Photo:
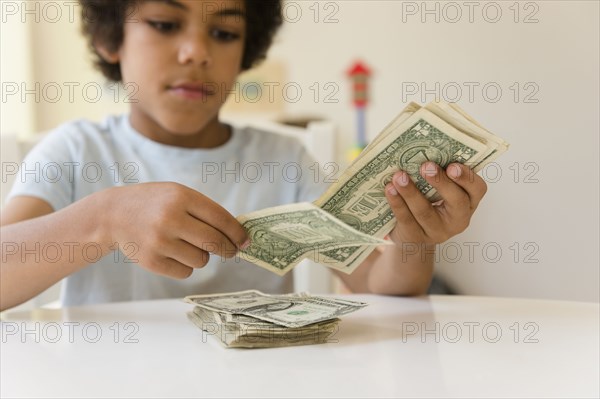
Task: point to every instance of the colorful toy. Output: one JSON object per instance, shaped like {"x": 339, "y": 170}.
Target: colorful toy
{"x": 359, "y": 74}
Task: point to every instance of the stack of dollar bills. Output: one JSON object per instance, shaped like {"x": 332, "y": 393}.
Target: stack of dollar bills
{"x": 343, "y": 226}
{"x": 251, "y": 319}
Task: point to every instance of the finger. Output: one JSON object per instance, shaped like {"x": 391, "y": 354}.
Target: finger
{"x": 456, "y": 200}
{"x": 470, "y": 182}
{"x": 206, "y": 238}
{"x": 203, "y": 208}
{"x": 170, "y": 268}
{"x": 187, "y": 254}
{"x": 406, "y": 225}
{"x": 420, "y": 207}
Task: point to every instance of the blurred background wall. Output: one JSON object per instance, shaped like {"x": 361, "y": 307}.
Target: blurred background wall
{"x": 526, "y": 70}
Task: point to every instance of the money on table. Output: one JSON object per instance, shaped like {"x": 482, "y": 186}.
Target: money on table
{"x": 284, "y": 310}
{"x": 251, "y": 319}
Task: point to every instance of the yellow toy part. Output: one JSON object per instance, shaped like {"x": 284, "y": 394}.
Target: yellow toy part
{"x": 353, "y": 152}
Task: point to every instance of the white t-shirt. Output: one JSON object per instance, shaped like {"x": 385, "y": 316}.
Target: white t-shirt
{"x": 253, "y": 170}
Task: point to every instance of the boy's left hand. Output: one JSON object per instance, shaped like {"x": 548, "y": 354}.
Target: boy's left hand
{"x": 420, "y": 222}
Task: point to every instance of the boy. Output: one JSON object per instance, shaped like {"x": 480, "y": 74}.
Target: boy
{"x": 166, "y": 217}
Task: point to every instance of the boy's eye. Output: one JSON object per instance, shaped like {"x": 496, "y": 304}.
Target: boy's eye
{"x": 163, "y": 26}
{"x": 223, "y": 35}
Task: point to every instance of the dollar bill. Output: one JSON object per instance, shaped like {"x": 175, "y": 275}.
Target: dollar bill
{"x": 283, "y": 310}
{"x": 283, "y": 236}
{"x": 356, "y": 204}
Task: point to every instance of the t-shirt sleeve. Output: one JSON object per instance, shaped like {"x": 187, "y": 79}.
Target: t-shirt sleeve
{"x": 47, "y": 172}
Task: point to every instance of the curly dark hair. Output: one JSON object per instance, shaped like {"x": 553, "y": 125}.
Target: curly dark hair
{"x": 103, "y": 20}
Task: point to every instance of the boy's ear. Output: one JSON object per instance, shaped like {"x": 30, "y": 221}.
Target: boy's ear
{"x": 112, "y": 57}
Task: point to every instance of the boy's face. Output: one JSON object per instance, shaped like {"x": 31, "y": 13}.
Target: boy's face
{"x": 183, "y": 57}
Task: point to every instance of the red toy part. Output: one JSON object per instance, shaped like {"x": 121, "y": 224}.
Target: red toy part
{"x": 360, "y": 75}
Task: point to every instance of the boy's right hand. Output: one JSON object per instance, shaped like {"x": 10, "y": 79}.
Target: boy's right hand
{"x": 173, "y": 227}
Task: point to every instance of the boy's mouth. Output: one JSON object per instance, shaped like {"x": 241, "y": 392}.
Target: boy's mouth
{"x": 192, "y": 90}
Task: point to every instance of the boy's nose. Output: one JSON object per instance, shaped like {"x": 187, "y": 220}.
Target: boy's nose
{"x": 195, "y": 50}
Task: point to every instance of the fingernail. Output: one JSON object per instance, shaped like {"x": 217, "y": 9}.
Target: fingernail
{"x": 430, "y": 169}
{"x": 402, "y": 180}
{"x": 392, "y": 191}
{"x": 246, "y": 244}
{"x": 454, "y": 171}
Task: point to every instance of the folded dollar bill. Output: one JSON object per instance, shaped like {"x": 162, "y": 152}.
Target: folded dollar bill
{"x": 283, "y": 236}
{"x": 335, "y": 229}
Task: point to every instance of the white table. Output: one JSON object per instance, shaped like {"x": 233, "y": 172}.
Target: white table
{"x": 435, "y": 346}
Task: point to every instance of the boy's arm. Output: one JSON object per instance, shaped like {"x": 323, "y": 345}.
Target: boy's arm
{"x": 407, "y": 267}
{"x": 173, "y": 228}
{"x": 40, "y": 247}
{"x": 389, "y": 271}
